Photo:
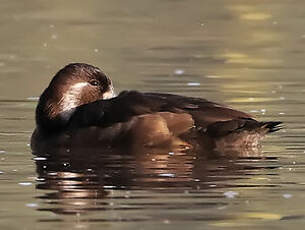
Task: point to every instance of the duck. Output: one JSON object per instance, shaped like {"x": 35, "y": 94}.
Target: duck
{"x": 80, "y": 108}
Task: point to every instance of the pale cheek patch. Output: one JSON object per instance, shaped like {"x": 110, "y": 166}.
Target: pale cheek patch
{"x": 78, "y": 86}
{"x": 71, "y": 98}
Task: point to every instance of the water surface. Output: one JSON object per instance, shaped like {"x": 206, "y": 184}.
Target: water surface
{"x": 248, "y": 54}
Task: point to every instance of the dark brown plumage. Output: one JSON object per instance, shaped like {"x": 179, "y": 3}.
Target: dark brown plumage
{"x": 80, "y": 101}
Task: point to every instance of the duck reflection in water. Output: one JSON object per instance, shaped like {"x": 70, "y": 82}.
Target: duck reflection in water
{"x": 92, "y": 139}
{"x": 83, "y": 180}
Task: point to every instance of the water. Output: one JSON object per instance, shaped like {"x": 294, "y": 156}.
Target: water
{"x": 248, "y": 54}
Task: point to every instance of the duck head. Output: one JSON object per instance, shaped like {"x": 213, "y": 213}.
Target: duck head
{"x": 74, "y": 85}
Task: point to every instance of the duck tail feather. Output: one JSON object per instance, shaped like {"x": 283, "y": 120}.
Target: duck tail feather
{"x": 272, "y": 126}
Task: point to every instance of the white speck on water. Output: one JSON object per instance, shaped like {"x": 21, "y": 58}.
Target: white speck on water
{"x": 54, "y": 36}
{"x": 201, "y": 24}
{"x": 167, "y": 174}
{"x": 40, "y": 179}
{"x": 212, "y": 76}
{"x": 254, "y": 111}
{"x": 2, "y": 151}
{"x": 251, "y": 99}
{"x": 281, "y": 113}
{"x": 96, "y": 50}
{"x": 197, "y": 180}
{"x": 45, "y": 44}
{"x": 282, "y": 98}
{"x": 166, "y": 221}
{"x": 179, "y": 71}
{"x": 31, "y": 205}
{"x": 25, "y": 183}
{"x": 153, "y": 159}
{"x": 66, "y": 164}
{"x": 212, "y": 185}
{"x": 15, "y": 170}
{"x": 33, "y": 98}
{"x": 44, "y": 166}
{"x": 294, "y": 162}
{"x": 40, "y": 158}
{"x": 263, "y": 110}
{"x": 1, "y": 172}
{"x": 193, "y": 83}
{"x": 222, "y": 207}
{"x": 171, "y": 153}
{"x": 52, "y": 173}
{"x": 230, "y": 194}
{"x": 287, "y": 195}
{"x": 109, "y": 186}
{"x": 68, "y": 150}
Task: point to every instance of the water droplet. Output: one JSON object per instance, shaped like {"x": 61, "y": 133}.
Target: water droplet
{"x": 109, "y": 186}
{"x": 179, "y": 71}
{"x": 40, "y": 158}
{"x": 212, "y": 76}
{"x": 25, "y": 183}
{"x": 32, "y": 205}
{"x": 230, "y": 194}
{"x": 166, "y": 221}
{"x": 193, "y": 83}
{"x": 167, "y": 174}
{"x": 287, "y": 195}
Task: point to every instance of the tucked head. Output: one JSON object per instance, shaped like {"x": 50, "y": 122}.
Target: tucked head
{"x": 74, "y": 85}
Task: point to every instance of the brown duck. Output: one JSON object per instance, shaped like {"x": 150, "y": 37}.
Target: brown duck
{"x": 80, "y": 109}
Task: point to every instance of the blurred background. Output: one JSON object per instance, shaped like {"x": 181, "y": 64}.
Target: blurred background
{"x": 245, "y": 53}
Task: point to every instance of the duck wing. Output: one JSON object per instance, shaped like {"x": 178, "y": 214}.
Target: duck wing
{"x": 133, "y": 103}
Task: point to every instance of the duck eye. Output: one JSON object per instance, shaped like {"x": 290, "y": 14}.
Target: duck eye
{"x": 94, "y": 82}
